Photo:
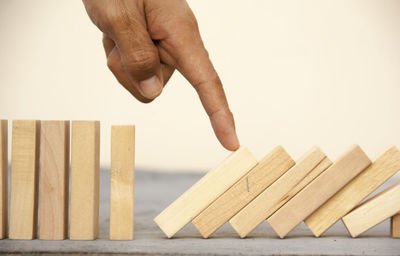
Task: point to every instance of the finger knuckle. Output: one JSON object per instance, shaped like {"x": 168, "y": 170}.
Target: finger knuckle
{"x": 141, "y": 60}
{"x": 111, "y": 63}
{"x": 115, "y": 20}
{"x": 204, "y": 84}
{"x": 186, "y": 25}
{"x": 189, "y": 21}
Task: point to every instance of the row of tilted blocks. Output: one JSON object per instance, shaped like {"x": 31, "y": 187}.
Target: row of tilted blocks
{"x": 45, "y": 146}
{"x": 284, "y": 193}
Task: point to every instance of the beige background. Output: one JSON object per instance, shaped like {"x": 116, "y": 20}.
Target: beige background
{"x": 296, "y": 73}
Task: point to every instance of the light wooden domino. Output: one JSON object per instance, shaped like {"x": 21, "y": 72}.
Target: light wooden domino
{"x": 84, "y": 202}
{"x": 395, "y": 226}
{"x": 279, "y": 192}
{"x": 24, "y": 179}
{"x": 353, "y": 193}
{"x": 351, "y": 163}
{"x": 322, "y": 166}
{"x": 3, "y": 178}
{"x": 205, "y": 191}
{"x": 122, "y": 182}
{"x": 54, "y": 180}
{"x": 269, "y": 169}
{"x": 373, "y": 211}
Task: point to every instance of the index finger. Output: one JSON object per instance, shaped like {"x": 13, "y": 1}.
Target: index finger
{"x": 193, "y": 62}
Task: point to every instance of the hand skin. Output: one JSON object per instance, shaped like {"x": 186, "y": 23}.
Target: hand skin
{"x": 146, "y": 40}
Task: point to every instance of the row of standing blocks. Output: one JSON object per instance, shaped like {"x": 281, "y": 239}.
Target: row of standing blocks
{"x": 44, "y": 146}
{"x": 245, "y": 192}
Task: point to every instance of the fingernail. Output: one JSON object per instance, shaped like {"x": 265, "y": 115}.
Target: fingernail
{"x": 150, "y": 88}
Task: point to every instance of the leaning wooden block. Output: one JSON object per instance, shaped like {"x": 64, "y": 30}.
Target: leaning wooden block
{"x": 322, "y": 166}
{"x": 278, "y": 193}
{"x": 205, "y": 191}
{"x": 85, "y": 164}
{"x": 319, "y": 191}
{"x": 122, "y": 182}
{"x": 395, "y": 226}
{"x": 269, "y": 169}
{"x": 3, "y": 178}
{"x": 54, "y": 180}
{"x": 353, "y": 193}
{"x": 373, "y": 211}
{"x": 24, "y": 179}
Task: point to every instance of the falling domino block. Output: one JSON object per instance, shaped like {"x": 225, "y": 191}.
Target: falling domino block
{"x": 24, "y": 179}
{"x": 205, "y": 191}
{"x": 353, "y": 193}
{"x": 122, "y": 182}
{"x": 84, "y": 204}
{"x": 373, "y": 211}
{"x": 395, "y": 226}
{"x": 3, "y": 178}
{"x": 54, "y": 180}
{"x": 279, "y": 192}
{"x": 269, "y": 169}
{"x": 351, "y": 163}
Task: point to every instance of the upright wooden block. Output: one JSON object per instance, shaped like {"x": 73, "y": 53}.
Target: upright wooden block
{"x": 395, "y": 226}
{"x": 54, "y": 180}
{"x": 3, "y": 178}
{"x": 205, "y": 191}
{"x": 351, "y": 163}
{"x": 279, "y": 192}
{"x": 353, "y": 193}
{"x": 85, "y": 165}
{"x": 24, "y": 179}
{"x": 122, "y": 182}
{"x": 373, "y": 211}
{"x": 269, "y": 169}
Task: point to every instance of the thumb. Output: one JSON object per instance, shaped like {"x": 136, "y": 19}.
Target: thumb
{"x": 139, "y": 55}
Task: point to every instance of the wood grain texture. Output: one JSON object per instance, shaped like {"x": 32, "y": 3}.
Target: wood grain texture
{"x": 354, "y": 192}
{"x": 54, "y": 180}
{"x": 275, "y": 195}
{"x": 122, "y": 182}
{"x": 85, "y": 164}
{"x": 269, "y": 169}
{"x": 3, "y": 178}
{"x": 373, "y": 211}
{"x": 205, "y": 191}
{"x": 351, "y": 163}
{"x": 24, "y": 179}
{"x": 395, "y": 226}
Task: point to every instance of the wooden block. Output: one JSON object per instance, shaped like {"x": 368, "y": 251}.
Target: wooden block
{"x": 205, "y": 191}
{"x": 395, "y": 226}
{"x": 3, "y": 178}
{"x": 122, "y": 182}
{"x": 351, "y": 163}
{"x": 269, "y": 169}
{"x": 24, "y": 179}
{"x": 353, "y": 193}
{"x": 373, "y": 211}
{"x": 278, "y": 193}
{"x": 84, "y": 204}
{"x": 54, "y": 180}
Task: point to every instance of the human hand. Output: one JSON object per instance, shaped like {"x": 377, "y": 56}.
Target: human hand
{"x": 146, "y": 40}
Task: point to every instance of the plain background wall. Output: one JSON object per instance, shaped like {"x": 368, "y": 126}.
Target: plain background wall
{"x": 296, "y": 73}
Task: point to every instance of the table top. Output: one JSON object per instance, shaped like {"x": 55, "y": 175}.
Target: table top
{"x": 154, "y": 191}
